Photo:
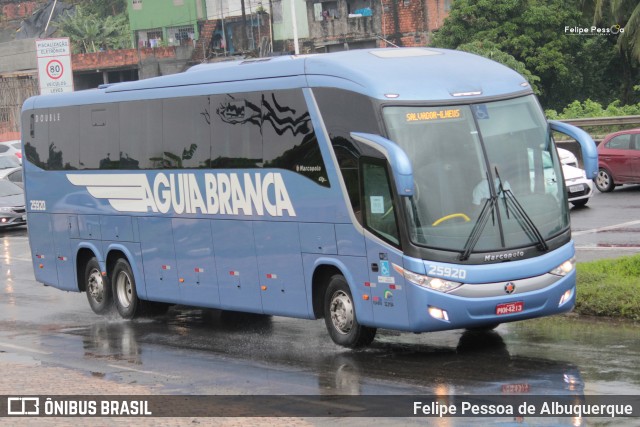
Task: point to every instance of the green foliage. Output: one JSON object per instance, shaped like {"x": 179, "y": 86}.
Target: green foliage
{"x": 589, "y": 108}
{"x": 533, "y": 33}
{"x": 623, "y": 14}
{"x": 610, "y": 288}
{"x": 104, "y": 8}
{"x": 90, "y": 33}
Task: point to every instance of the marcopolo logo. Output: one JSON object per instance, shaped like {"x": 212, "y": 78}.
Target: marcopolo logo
{"x": 594, "y": 31}
{"x": 212, "y": 194}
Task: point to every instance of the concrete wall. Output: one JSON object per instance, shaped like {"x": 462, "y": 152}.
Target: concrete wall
{"x": 343, "y": 28}
{"x": 18, "y": 55}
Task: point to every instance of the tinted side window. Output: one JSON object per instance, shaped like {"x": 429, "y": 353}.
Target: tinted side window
{"x": 99, "y": 137}
{"x": 620, "y": 142}
{"x": 140, "y": 134}
{"x": 289, "y": 141}
{"x": 63, "y": 139}
{"x": 186, "y": 132}
{"x": 236, "y": 141}
{"x": 344, "y": 112}
{"x": 36, "y": 140}
{"x": 16, "y": 177}
{"x": 3, "y": 148}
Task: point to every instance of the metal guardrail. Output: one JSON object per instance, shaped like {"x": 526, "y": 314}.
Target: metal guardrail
{"x": 592, "y": 125}
{"x": 604, "y": 121}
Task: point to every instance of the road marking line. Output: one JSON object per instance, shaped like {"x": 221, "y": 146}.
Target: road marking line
{"x": 15, "y": 258}
{"x": 19, "y": 347}
{"x": 126, "y": 368}
{"x": 609, "y": 227}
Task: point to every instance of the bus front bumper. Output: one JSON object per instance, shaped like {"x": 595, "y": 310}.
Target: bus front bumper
{"x": 474, "y": 307}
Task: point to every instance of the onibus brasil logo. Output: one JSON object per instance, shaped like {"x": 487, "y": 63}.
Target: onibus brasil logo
{"x": 218, "y": 193}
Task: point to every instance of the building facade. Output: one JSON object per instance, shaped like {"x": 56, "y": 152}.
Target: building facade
{"x": 165, "y": 23}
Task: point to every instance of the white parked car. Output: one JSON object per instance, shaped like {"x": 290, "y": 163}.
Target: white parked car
{"x": 11, "y": 148}
{"x": 579, "y": 188}
{"x": 567, "y": 157}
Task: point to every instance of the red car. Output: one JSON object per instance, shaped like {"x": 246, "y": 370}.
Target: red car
{"x": 619, "y": 160}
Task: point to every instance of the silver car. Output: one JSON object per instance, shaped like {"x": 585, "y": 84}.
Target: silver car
{"x": 12, "y": 209}
{"x": 12, "y": 148}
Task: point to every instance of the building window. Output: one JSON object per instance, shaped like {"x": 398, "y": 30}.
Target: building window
{"x": 359, "y": 8}
{"x": 180, "y": 36}
{"x": 326, "y": 11}
{"x": 149, "y": 38}
{"x": 137, "y": 4}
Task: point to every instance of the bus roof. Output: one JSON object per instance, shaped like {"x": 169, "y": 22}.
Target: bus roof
{"x": 410, "y": 74}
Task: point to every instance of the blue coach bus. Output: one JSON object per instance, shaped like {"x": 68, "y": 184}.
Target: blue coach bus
{"x": 412, "y": 189}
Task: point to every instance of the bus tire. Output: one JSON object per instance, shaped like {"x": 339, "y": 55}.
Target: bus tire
{"x": 340, "y": 316}
{"x": 125, "y": 296}
{"x": 97, "y": 288}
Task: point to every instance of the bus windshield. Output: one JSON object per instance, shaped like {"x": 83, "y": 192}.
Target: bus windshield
{"x": 457, "y": 151}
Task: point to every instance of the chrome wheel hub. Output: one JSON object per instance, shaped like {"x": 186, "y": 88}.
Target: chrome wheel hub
{"x": 124, "y": 289}
{"x": 341, "y": 312}
{"x": 95, "y": 286}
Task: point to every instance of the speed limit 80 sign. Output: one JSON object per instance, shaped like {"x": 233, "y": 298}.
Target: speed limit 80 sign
{"x": 54, "y": 69}
{"x": 54, "y": 65}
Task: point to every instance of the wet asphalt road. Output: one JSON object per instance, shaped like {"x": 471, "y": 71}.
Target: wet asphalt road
{"x": 609, "y": 225}
{"x": 194, "y": 351}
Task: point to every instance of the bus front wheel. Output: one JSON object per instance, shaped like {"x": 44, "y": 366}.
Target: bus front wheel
{"x": 124, "y": 290}
{"x": 97, "y": 287}
{"x": 340, "y": 316}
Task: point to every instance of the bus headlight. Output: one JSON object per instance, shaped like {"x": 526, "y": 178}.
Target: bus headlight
{"x": 434, "y": 283}
{"x": 565, "y": 268}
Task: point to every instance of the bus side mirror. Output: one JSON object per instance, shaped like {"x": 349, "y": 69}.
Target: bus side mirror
{"x": 587, "y": 146}
{"x": 397, "y": 158}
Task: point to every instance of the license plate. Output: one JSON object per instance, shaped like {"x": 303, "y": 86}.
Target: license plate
{"x": 510, "y": 307}
{"x": 575, "y": 188}
{"x": 515, "y": 388}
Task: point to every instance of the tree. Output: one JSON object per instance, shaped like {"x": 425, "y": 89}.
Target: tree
{"x": 533, "y": 33}
{"x": 619, "y": 15}
{"x": 492, "y": 51}
{"x": 90, "y": 33}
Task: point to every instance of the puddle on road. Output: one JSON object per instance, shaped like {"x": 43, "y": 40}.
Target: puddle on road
{"x": 606, "y": 351}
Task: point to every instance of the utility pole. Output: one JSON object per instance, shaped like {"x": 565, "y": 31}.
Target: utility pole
{"x": 294, "y": 21}
{"x": 245, "y": 37}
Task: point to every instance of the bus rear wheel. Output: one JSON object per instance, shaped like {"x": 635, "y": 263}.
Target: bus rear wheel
{"x": 97, "y": 287}
{"x": 340, "y": 316}
{"x": 124, "y": 290}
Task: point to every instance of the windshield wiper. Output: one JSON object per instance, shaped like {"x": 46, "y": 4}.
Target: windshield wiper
{"x": 521, "y": 215}
{"x": 488, "y": 208}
